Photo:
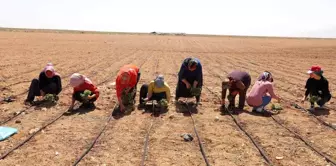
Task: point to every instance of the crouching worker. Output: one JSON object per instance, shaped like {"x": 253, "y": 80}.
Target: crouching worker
{"x": 257, "y": 97}
{"x": 156, "y": 90}
{"x": 49, "y": 82}
{"x": 237, "y": 82}
{"x": 190, "y": 80}
{"x": 317, "y": 88}
{"x": 84, "y": 91}
{"x": 126, "y": 85}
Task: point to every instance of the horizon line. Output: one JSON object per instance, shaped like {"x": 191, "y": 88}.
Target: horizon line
{"x": 48, "y": 30}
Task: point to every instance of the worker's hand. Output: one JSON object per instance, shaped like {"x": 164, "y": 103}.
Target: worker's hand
{"x": 90, "y": 97}
{"x": 71, "y": 107}
{"x": 188, "y": 85}
{"x": 146, "y": 99}
{"x": 303, "y": 100}
{"x": 223, "y": 102}
{"x": 42, "y": 93}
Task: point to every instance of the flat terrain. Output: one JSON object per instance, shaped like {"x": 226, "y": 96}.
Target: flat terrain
{"x": 99, "y": 56}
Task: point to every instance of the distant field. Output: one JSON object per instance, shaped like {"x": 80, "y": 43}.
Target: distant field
{"x": 99, "y": 56}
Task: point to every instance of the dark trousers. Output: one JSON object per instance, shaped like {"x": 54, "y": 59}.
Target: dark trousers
{"x": 34, "y": 89}
{"x": 183, "y": 91}
{"x": 77, "y": 96}
{"x": 155, "y": 96}
{"x": 242, "y": 96}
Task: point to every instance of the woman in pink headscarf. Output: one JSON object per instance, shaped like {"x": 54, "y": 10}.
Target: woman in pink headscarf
{"x": 49, "y": 82}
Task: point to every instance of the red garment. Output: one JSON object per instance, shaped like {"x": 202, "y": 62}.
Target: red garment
{"x": 132, "y": 71}
{"x": 87, "y": 85}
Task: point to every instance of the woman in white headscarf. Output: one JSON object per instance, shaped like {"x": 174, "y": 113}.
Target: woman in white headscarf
{"x": 81, "y": 83}
{"x": 49, "y": 82}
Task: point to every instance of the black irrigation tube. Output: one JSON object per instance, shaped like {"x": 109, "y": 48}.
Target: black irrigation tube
{"x": 145, "y": 152}
{"x": 96, "y": 139}
{"x": 14, "y": 116}
{"x": 260, "y": 149}
{"x": 31, "y": 136}
{"x": 319, "y": 119}
{"x": 101, "y": 132}
{"x": 305, "y": 141}
{"x": 198, "y": 137}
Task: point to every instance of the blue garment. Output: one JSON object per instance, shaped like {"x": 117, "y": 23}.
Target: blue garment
{"x": 265, "y": 100}
{"x": 191, "y": 76}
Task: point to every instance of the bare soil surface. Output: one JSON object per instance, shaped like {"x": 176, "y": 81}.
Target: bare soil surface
{"x": 99, "y": 56}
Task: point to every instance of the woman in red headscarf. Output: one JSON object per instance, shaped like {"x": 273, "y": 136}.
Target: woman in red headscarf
{"x": 126, "y": 84}
{"x": 49, "y": 82}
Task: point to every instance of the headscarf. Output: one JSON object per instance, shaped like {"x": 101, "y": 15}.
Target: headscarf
{"x": 192, "y": 63}
{"x": 77, "y": 79}
{"x": 159, "y": 81}
{"x": 49, "y": 67}
{"x": 265, "y": 76}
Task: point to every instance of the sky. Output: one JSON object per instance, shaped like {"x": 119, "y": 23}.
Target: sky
{"x": 288, "y": 18}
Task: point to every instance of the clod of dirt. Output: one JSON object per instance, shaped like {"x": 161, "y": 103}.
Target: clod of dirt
{"x": 18, "y": 121}
{"x": 187, "y": 137}
{"x": 32, "y": 131}
{"x": 56, "y": 153}
{"x": 216, "y": 119}
{"x": 279, "y": 158}
{"x": 333, "y": 125}
{"x": 23, "y": 113}
{"x": 172, "y": 116}
{"x": 44, "y": 109}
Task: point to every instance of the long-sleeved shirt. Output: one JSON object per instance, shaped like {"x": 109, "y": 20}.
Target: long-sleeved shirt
{"x": 313, "y": 87}
{"x": 236, "y": 75}
{"x": 196, "y": 75}
{"x": 87, "y": 85}
{"x": 45, "y": 81}
{"x": 132, "y": 71}
{"x": 260, "y": 89}
{"x": 154, "y": 89}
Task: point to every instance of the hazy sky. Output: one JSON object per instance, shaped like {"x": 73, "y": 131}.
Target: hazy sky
{"x": 313, "y": 18}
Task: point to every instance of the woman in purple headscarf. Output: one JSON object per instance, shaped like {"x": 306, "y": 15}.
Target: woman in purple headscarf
{"x": 49, "y": 82}
{"x": 257, "y": 97}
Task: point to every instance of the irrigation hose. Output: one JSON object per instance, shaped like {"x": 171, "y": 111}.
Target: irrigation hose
{"x": 144, "y": 156}
{"x": 198, "y": 137}
{"x": 96, "y": 139}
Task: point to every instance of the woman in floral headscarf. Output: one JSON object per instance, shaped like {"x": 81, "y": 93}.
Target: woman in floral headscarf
{"x": 49, "y": 82}
{"x": 257, "y": 97}
{"x": 82, "y": 85}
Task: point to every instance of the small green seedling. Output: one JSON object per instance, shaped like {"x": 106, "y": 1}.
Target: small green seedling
{"x": 195, "y": 91}
{"x": 85, "y": 94}
{"x": 50, "y": 98}
{"x": 314, "y": 99}
{"x": 276, "y": 107}
{"x": 163, "y": 103}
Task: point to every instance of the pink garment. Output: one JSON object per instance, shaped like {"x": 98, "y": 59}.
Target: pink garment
{"x": 50, "y": 67}
{"x": 259, "y": 89}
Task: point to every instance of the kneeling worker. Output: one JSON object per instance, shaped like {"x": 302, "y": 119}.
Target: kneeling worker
{"x": 157, "y": 90}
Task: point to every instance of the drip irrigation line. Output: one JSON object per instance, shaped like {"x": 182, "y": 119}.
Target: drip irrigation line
{"x": 198, "y": 137}
{"x": 319, "y": 119}
{"x": 259, "y": 148}
{"x": 96, "y": 138}
{"x": 305, "y": 141}
{"x": 31, "y": 136}
{"x": 145, "y": 151}
{"x": 14, "y": 116}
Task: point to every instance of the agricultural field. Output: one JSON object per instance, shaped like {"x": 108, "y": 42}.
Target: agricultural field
{"x": 234, "y": 139}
